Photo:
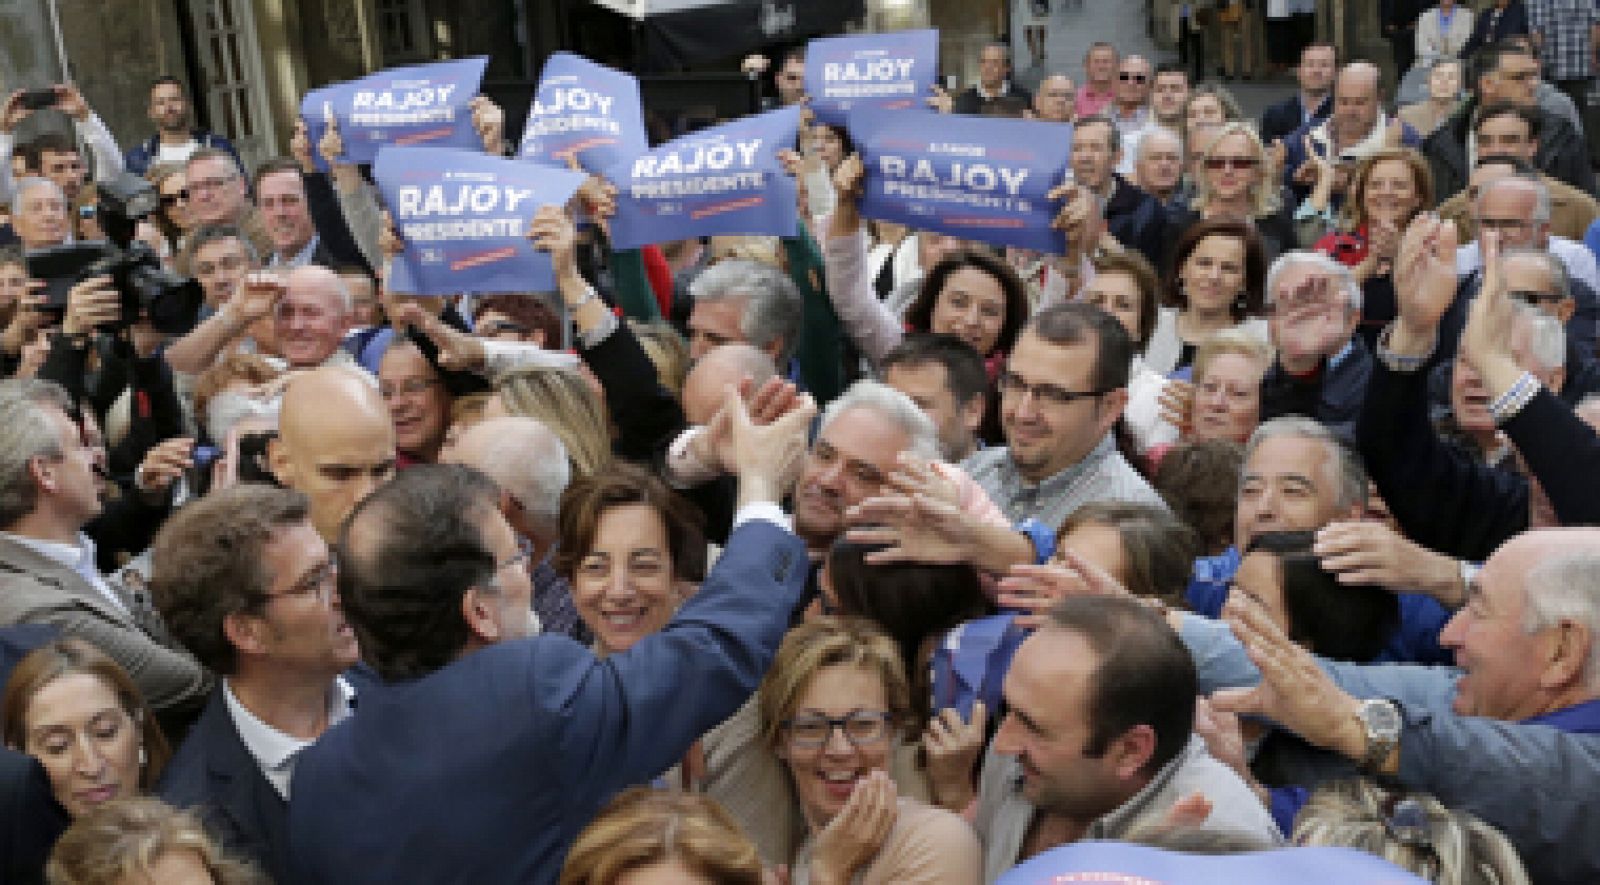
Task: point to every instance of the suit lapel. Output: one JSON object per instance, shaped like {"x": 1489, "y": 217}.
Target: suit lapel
{"x": 251, "y": 804}
{"x": 31, "y": 565}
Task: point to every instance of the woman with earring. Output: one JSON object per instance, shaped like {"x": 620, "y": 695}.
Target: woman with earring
{"x": 78, "y": 712}
{"x": 1235, "y": 180}
{"x": 1216, "y": 280}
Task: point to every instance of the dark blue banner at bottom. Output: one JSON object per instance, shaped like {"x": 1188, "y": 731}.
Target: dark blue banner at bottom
{"x": 979, "y": 178}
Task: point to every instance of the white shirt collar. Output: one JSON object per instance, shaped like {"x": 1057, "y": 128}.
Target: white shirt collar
{"x": 273, "y": 750}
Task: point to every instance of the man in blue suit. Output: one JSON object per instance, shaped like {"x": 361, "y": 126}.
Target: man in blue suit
{"x": 244, "y": 581}
{"x": 485, "y": 752}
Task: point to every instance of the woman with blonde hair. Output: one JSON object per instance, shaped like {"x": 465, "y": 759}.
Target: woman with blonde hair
{"x": 1234, "y": 179}
{"x": 1410, "y": 830}
{"x": 139, "y": 841}
{"x": 833, "y": 707}
{"x": 661, "y": 837}
{"x": 73, "y": 708}
{"x": 173, "y": 218}
{"x": 564, "y": 401}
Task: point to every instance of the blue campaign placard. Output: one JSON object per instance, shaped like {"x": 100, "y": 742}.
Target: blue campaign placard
{"x": 586, "y": 111}
{"x": 464, "y": 215}
{"x": 723, "y": 180}
{"x": 891, "y": 71}
{"x": 412, "y": 106}
{"x": 1132, "y": 864}
{"x": 979, "y": 178}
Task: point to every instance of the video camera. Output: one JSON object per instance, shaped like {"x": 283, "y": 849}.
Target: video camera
{"x": 169, "y": 301}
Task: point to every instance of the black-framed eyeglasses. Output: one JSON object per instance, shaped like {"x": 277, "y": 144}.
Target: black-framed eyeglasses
{"x": 1013, "y": 385}
{"x": 861, "y": 728}
{"x": 318, "y": 583}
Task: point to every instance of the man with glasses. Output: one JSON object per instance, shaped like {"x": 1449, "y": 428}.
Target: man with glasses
{"x": 1131, "y": 109}
{"x": 1508, "y": 142}
{"x": 1064, "y": 386}
{"x": 244, "y": 580}
{"x": 1506, "y": 73}
{"x": 1098, "y": 739}
{"x": 53, "y": 486}
{"x": 175, "y": 140}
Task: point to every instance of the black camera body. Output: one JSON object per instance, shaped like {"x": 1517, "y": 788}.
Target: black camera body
{"x": 169, "y": 301}
{"x": 38, "y": 99}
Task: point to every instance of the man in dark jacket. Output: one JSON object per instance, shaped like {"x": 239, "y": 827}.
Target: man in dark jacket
{"x": 1504, "y": 73}
{"x": 266, "y": 617}
{"x": 1314, "y": 101}
{"x": 994, "y": 85}
{"x": 175, "y": 138}
{"x": 1322, "y": 365}
{"x": 1135, "y": 218}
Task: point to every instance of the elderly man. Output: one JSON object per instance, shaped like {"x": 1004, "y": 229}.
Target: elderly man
{"x": 1169, "y": 92}
{"x": 739, "y": 300}
{"x": 309, "y": 310}
{"x": 1062, "y": 391}
{"x": 1511, "y": 735}
{"x": 1356, "y": 127}
{"x": 39, "y": 214}
{"x": 424, "y": 784}
{"x": 1135, "y": 218}
{"x": 51, "y": 482}
{"x": 706, "y": 385}
{"x": 994, "y": 83}
{"x": 1505, "y": 73}
{"x": 335, "y": 442}
{"x": 1507, "y": 142}
{"x": 529, "y": 464}
{"x": 1131, "y": 109}
{"x": 1445, "y": 497}
{"x": 243, "y": 579}
{"x": 1098, "y": 739}
{"x": 1158, "y": 165}
{"x": 1321, "y": 365}
{"x": 1053, "y": 103}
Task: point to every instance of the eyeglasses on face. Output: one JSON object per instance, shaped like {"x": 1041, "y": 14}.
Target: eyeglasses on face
{"x": 862, "y": 728}
{"x": 1014, "y": 386}
{"x": 318, "y": 583}
{"x": 1220, "y": 163}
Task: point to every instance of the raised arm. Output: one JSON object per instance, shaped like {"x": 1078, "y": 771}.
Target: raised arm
{"x": 872, "y": 326}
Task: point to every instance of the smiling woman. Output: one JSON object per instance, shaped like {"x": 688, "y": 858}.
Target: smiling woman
{"x": 75, "y": 710}
{"x": 832, "y": 708}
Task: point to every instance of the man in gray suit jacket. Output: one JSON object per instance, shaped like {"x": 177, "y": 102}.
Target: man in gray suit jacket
{"x": 49, "y": 489}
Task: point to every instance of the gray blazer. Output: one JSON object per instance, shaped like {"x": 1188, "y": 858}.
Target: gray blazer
{"x": 35, "y": 589}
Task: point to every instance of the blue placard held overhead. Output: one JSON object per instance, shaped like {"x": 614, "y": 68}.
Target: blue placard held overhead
{"x": 979, "y": 178}
{"x": 463, "y": 216}
{"x": 412, "y": 106}
{"x": 893, "y": 71}
{"x": 584, "y": 110}
{"x": 723, "y": 180}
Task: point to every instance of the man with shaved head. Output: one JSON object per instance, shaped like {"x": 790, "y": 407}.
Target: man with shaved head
{"x": 335, "y": 443}
{"x": 529, "y": 464}
{"x": 1358, "y": 126}
{"x": 705, "y": 387}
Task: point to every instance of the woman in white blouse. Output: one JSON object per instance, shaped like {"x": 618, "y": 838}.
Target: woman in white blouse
{"x": 1442, "y": 32}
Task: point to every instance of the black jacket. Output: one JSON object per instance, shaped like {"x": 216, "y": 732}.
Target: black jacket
{"x": 1278, "y": 120}
{"x": 1511, "y": 22}
{"x": 214, "y": 774}
{"x": 968, "y": 101}
{"x": 30, "y": 818}
{"x": 1332, "y": 396}
{"x": 1138, "y": 221}
{"x": 1562, "y": 153}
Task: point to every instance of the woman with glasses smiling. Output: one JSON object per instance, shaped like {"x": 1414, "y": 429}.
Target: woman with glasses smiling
{"x": 833, "y": 707}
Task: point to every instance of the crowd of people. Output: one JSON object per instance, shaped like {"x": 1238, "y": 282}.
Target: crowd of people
{"x": 1265, "y": 515}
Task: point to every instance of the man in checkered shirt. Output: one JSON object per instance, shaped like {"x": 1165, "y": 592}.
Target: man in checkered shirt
{"x": 1566, "y": 33}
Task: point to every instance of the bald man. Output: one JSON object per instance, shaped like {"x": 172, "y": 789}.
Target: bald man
{"x": 335, "y": 443}
{"x": 312, "y": 316}
{"x": 529, "y": 464}
{"x": 1357, "y": 127}
{"x": 705, "y": 387}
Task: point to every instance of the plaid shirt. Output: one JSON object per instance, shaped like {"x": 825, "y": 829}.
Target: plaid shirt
{"x": 1565, "y": 24}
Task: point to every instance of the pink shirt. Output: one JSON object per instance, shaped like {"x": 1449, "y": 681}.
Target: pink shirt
{"x": 1091, "y": 102}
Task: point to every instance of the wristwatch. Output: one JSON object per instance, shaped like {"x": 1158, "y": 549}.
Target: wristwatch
{"x": 1381, "y": 720}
